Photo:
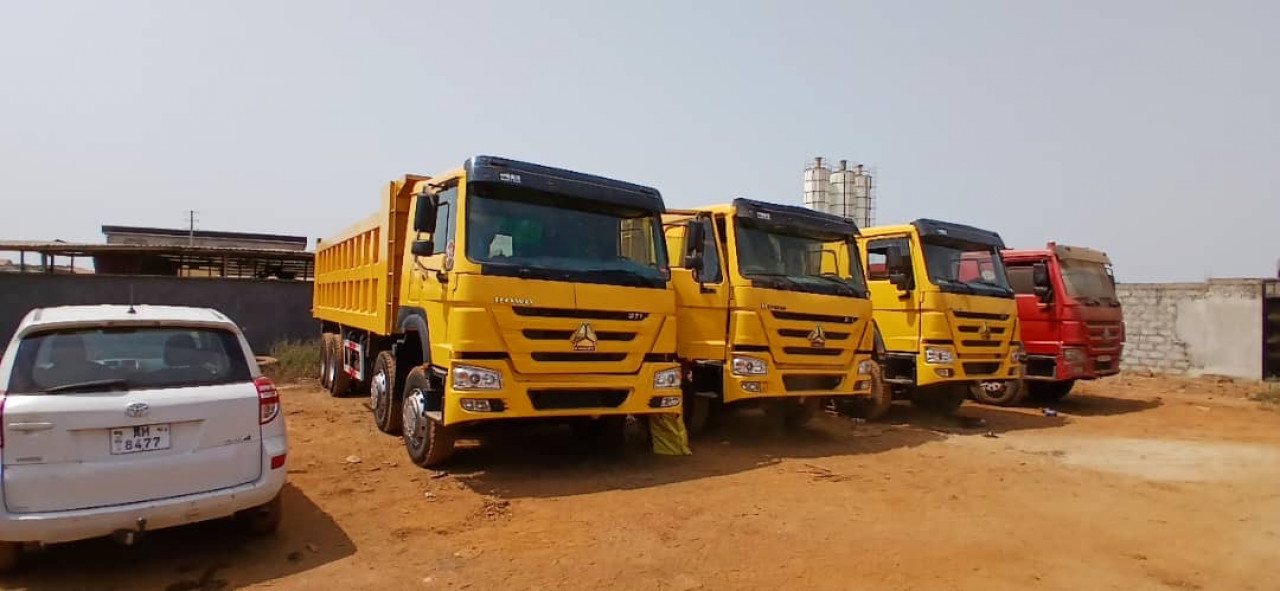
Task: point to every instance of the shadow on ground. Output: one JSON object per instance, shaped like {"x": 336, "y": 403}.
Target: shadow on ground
{"x": 548, "y": 461}
{"x": 1089, "y": 405}
{"x": 211, "y": 555}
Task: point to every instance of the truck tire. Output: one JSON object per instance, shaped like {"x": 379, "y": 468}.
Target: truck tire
{"x": 998, "y": 392}
{"x": 1050, "y": 391}
{"x": 340, "y": 382}
{"x": 699, "y": 413}
{"x": 384, "y": 394}
{"x": 793, "y": 414}
{"x": 10, "y": 556}
{"x": 940, "y": 399}
{"x": 428, "y": 442}
{"x": 871, "y": 407}
{"x": 326, "y": 375}
{"x": 608, "y": 433}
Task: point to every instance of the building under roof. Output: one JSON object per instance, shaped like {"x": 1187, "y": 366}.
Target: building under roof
{"x": 173, "y": 253}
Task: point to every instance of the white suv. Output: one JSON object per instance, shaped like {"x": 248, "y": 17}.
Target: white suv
{"x": 121, "y": 419}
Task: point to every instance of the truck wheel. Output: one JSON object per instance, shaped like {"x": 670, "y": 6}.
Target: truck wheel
{"x": 10, "y": 556}
{"x": 790, "y": 413}
{"x": 607, "y": 432}
{"x": 384, "y": 394}
{"x": 339, "y": 381}
{"x": 940, "y": 399}
{"x": 428, "y": 442}
{"x": 998, "y": 392}
{"x": 699, "y": 413}
{"x": 1050, "y": 391}
{"x": 263, "y": 519}
{"x": 868, "y": 407}
{"x": 326, "y": 375}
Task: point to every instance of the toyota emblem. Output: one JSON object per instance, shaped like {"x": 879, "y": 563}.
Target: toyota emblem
{"x": 137, "y": 409}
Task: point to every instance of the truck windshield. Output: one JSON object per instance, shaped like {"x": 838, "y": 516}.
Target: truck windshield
{"x": 1088, "y": 281}
{"x": 964, "y": 267}
{"x": 799, "y": 263}
{"x": 537, "y": 235}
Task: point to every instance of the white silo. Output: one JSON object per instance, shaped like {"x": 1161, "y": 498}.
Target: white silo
{"x": 862, "y": 205}
{"x": 817, "y": 186}
{"x": 841, "y": 200}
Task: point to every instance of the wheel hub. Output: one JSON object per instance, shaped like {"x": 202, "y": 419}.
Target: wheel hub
{"x": 378, "y": 390}
{"x": 413, "y": 408}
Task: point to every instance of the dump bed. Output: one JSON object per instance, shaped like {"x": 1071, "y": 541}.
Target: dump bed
{"x": 358, "y": 271}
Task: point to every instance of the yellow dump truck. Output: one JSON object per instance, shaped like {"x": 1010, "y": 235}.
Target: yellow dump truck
{"x": 773, "y": 309}
{"x": 945, "y": 310}
{"x": 501, "y": 290}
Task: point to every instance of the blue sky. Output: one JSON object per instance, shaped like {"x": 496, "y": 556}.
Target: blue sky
{"x": 1147, "y": 129}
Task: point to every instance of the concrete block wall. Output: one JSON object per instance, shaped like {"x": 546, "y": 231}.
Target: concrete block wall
{"x": 1194, "y": 328}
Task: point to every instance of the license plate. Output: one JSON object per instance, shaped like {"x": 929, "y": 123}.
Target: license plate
{"x": 132, "y": 440}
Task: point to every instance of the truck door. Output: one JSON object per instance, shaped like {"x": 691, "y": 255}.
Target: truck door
{"x": 428, "y": 274}
{"x": 702, "y": 303}
{"x": 897, "y": 311}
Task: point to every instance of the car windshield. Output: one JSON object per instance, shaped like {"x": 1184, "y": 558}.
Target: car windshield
{"x": 126, "y": 358}
{"x": 966, "y": 267}
{"x": 1088, "y": 281}
{"x": 799, "y": 263}
{"x": 539, "y": 235}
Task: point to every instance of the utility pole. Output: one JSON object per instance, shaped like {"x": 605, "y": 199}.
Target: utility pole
{"x": 191, "y": 227}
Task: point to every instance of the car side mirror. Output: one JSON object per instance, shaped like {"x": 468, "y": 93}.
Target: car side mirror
{"x": 424, "y": 218}
{"x": 423, "y": 248}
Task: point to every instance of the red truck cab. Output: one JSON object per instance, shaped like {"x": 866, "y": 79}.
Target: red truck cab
{"x": 1072, "y": 323}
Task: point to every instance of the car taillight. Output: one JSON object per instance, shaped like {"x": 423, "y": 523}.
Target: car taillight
{"x": 268, "y": 400}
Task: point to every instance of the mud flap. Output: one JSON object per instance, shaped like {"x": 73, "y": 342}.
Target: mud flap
{"x": 669, "y": 435}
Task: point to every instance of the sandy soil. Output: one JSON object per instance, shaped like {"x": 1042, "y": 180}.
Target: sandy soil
{"x": 1138, "y": 483}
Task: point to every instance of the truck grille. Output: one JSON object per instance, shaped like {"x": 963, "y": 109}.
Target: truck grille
{"x": 802, "y": 317}
{"x": 812, "y": 351}
{"x": 804, "y": 334}
{"x": 564, "y": 335}
{"x": 559, "y": 399}
{"x": 584, "y": 314}
{"x": 804, "y": 383}
{"x": 569, "y": 357}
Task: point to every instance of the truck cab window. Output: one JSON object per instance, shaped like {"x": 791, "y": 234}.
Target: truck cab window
{"x": 711, "y": 254}
{"x": 878, "y": 257}
{"x": 1022, "y": 279}
{"x": 445, "y": 226}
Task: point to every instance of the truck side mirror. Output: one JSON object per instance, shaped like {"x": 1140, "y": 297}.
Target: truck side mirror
{"x": 424, "y": 218}
{"x": 899, "y": 268}
{"x": 695, "y": 241}
{"x": 1040, "y": 280}
{"x": 423, "y": 248}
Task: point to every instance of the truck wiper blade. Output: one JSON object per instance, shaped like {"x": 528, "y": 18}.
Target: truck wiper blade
{"x": 992, "y": 285}
{"x": 952, "y": 282}
{"x": 781, "y": 278}
{"x": 112, "y": 384}
{"x": 625, "y": 277}
{"x": 1091, "y": 301}
{"x": 851, "y": 290}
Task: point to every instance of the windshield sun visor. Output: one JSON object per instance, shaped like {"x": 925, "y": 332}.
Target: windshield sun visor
{"x": 940, "y": 231}
{"x": 789, "y": 218}
{"x": 534, "y": 177}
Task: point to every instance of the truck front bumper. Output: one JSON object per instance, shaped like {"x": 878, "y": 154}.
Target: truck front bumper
{"x": 562, "y": 395}
{"x": 798, "y": 382}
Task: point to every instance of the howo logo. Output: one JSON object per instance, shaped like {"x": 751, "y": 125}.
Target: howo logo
{"x": 985, "y": 331}
{"x": 818, "y": 338}
{"x": 584, "y": 339}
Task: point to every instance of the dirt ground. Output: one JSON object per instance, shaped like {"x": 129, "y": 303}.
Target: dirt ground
{"x": 1137, "y": 483}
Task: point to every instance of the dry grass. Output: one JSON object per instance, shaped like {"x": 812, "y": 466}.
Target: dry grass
{"x": 1269, "y": 396}
{"x": 293, "y": 360}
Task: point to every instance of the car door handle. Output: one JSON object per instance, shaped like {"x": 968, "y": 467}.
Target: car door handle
{"x": 30, "y": 426}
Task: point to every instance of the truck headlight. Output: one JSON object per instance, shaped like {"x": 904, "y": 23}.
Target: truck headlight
{"x": 749, "y": 366}
{"x": 667, "y": 379}
{"x": 865, "y": 367}
{"x": 942, "y": 355}
{"x": 1073, "y": 356}
{"x": 466, "y": 377}
{"x": 1016, "y": 354}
